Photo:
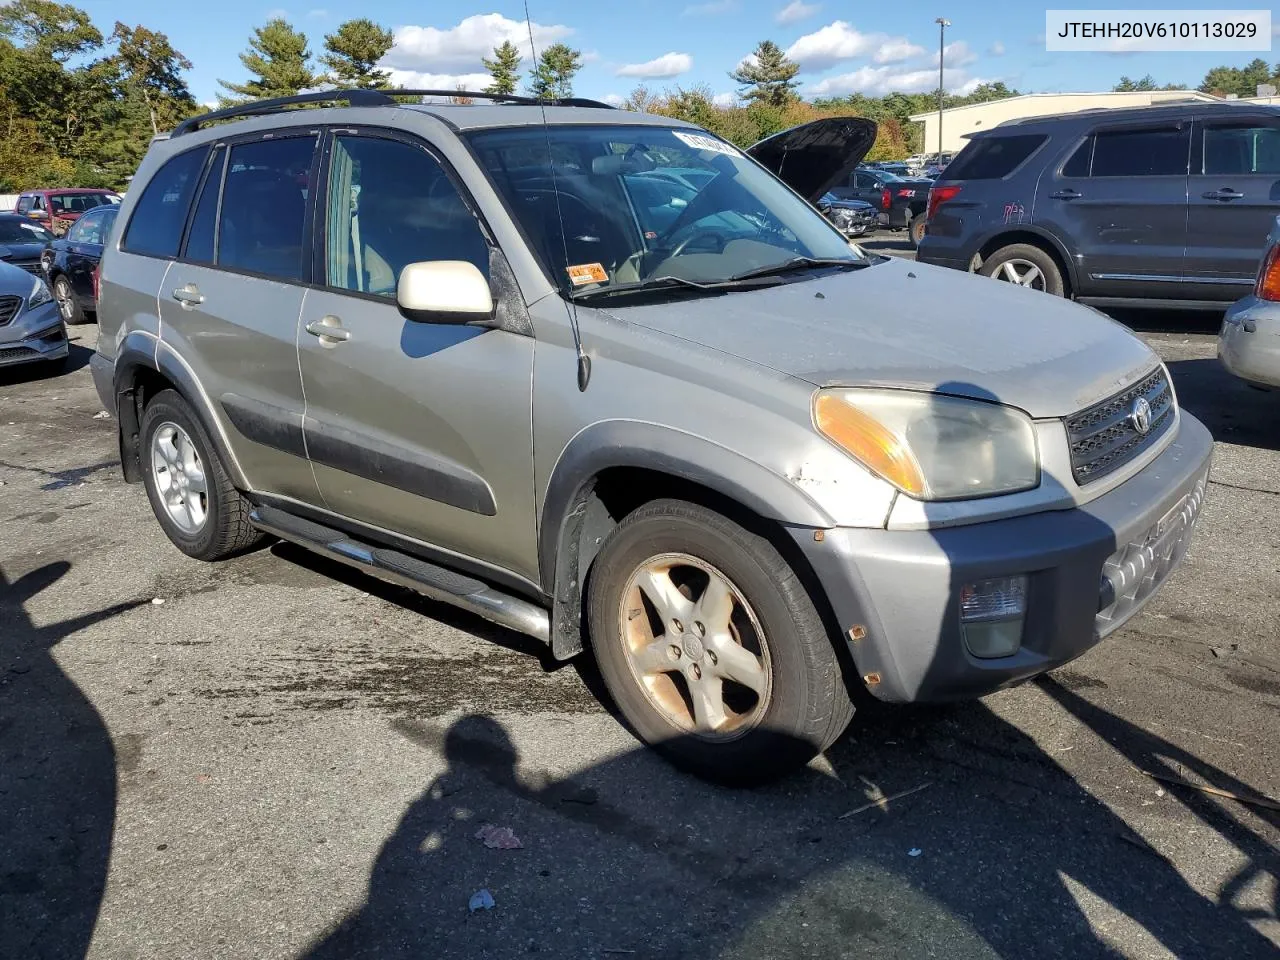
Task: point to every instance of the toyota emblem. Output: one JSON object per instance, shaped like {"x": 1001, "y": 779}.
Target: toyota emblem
{"x": 1140, "y": 416}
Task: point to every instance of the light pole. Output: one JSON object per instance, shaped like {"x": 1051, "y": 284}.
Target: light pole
{"x": 942, "y": 23}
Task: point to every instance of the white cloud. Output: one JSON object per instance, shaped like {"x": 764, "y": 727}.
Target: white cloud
{"x": 877, "y": 81}
{"x": 725, "y": 99}
{"x": 897, "y": 49}
{"x": 797, "y": 10}
{"x": 461, "y": 47}
{"x": 614, "y": 99}
{"x": 318, "y": 14}
{"x": 590, "y": 56}
{"x": 710, "y": 9}
{"x": 277, "y": 14}
{"x": 839, "y": 41}
{"x": 996, "y": 50}
{"x": 667, "y": 65}
{"x": 969, "y": 86}
{"x": 956, "y": 54}
{"x": 415, "y": 80}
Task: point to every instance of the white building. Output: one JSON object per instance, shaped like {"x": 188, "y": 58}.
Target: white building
{"x": 957, "y": 122}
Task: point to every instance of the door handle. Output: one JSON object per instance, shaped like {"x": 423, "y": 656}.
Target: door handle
{"x": 189, "y": 296}
{"x": 1226, "y": 193}
{"x": 1066, "y": 195}
{"x": 329, "y": 330}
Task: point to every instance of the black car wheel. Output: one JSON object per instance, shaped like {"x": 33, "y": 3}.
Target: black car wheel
{"x": 1025, "y": 265}
{"x": 68, "y": 305}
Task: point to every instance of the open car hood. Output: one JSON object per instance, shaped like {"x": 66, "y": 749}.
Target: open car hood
{"x": 814, "y": 157}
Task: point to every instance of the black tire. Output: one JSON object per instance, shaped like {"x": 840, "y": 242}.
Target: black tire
{"x": 1025, "y": 252}
{"x": 68, "y": 305}
{"x": 808, "y": 706}
{"x": 917, "y": 230}
{"x": 226, "y": 529}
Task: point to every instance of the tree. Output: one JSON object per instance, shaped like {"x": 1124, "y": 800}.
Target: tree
{"x": 1242, "y": 81}
{"x": 279, "y": 60}
{"x": 352, "y": 54}
{"x": 504, "y": 68}
{"x": 150, "y": 69}
{"x": 768, "y": 76}
{"x": 58, "y": 31}
{"x": 552, "y": 78}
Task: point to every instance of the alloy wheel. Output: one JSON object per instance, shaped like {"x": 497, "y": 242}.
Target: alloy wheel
{"x": 179, "y": 477}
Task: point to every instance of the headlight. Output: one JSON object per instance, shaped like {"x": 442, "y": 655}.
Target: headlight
{"x": 929, "y": 446}
{"x": 39, "y": 294}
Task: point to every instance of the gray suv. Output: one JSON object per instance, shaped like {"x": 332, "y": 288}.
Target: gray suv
{"x": 1165, "y": 206}
{"x": 483, "y": 352}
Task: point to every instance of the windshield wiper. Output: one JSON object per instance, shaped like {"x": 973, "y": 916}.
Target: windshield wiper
{"x": 671, "y": 284}
{"x": 799, "y": 263}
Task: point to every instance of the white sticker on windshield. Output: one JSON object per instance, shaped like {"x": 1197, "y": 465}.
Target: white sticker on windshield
{"x": 700, "y": 142}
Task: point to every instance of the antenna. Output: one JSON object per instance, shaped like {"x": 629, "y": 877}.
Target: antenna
{"x": 571, "y": 308}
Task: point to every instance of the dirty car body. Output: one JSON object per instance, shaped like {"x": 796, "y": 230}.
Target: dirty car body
{"x": 613, "y": 363}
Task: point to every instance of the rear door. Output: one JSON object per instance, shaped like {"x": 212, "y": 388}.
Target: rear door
{"x": 84, "y": 249}
{"x": 1120, "y": 203}
{"x": 419, "y": 428}
{"x": 1234, "y": 200}
{"x": 230, "y": 303}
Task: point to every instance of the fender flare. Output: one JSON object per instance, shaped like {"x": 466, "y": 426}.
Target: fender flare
{"x": 574, "y": 525}
{"x": 1052, "y": 239}
{"x": 143, "y": 351}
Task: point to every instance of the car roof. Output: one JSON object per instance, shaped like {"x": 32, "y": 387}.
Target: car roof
{"x": 1169, "y": 110}
{"x": 478, "y": 116}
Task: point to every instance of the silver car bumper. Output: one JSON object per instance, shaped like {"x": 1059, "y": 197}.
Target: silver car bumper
{"x": 33, "y": 336}
{"x": 1249, "y": 342}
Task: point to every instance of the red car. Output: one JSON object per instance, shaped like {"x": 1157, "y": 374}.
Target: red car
{"x": 58, "y": 209}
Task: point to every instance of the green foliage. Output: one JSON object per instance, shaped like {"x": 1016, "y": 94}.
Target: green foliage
{"x": 767, "y": 76}
{"x": 1142, "y": 85}
{"x": 1242, "y": 81}
{"x": 504, "y": 68}
{"x": 352, "y": 54}
{"x": 552, "y": 78}
{"x": 279, "y": 61}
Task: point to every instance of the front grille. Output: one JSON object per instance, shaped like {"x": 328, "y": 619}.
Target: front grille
{"x": 1105, "y": 437}
{"x": 9, "y": 307}
{"x": 16, "y": 353}
{"x": 1134, "y": 572}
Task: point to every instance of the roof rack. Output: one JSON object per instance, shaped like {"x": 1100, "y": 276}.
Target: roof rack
{"x": 366, "y": 98}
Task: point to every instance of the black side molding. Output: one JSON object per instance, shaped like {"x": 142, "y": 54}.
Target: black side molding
{"x": 266, "y": 423}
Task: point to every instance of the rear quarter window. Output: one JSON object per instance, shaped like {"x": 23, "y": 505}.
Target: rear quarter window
{"x": 155, "y": 229}
{"x": 994, "y": 157}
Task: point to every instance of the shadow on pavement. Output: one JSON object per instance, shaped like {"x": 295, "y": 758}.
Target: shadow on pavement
{"x": 57, "y": 784}
{"x": 631, "y": 858}
{"x": 77, "y": 358}
{"x": 1233, "y": 411}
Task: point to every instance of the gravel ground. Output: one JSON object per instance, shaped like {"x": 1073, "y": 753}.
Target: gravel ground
{"x": 275, "y": 757}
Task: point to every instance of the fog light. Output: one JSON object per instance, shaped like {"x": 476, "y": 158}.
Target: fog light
{"x": 991, "y": 616}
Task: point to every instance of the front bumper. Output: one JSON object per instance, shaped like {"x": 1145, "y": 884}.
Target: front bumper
{"x": 35, "y": 336}
{"x": 1249, "y": 342}
{"x": 901, "y": 588}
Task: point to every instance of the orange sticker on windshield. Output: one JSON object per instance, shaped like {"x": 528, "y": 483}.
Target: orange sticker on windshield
{"x": 587, "y": 273}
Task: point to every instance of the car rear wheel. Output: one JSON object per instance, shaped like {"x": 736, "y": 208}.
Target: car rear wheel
{"x": 1025, "y": 265}
{"x": 65, "y": 297}
{"x": 198, "y": 507}
{"x": 917, "y": 230}
{"x": 711, "y": 647}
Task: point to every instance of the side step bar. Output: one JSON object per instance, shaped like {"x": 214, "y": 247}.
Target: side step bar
{"x": 428, "y": 579}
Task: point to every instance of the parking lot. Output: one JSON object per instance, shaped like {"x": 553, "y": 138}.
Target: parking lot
{"x": 278, "y": 757}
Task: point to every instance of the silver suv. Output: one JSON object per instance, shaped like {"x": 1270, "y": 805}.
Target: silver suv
{"x": 604, "y": 379}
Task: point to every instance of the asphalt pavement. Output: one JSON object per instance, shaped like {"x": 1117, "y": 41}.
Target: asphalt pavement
{"x": 275, "y": 757}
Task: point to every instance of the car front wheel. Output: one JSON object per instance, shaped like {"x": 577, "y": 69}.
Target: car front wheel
{"x": 65, "y": 297}
{"x": 711, "y": 647}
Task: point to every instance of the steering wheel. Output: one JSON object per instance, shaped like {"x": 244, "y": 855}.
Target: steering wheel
{"x": 680, "y": 247}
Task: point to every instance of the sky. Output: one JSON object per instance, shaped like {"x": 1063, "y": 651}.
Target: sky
{"x": 872, "y": 48}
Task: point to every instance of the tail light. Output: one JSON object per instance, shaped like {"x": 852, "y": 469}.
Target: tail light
{"x": 886, "y": 198}
{"x": 1268, "y": 287}
{"x": 938, "y": 196}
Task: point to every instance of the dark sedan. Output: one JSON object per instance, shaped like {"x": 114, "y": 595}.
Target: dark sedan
{"x": 22, "y": 242}
{"x": 853, "y": 218}
{"x": 71, "y": 262}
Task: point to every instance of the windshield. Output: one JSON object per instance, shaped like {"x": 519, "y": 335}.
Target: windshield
{"x": 641, "y": 204}
{"x": 21, "y": 231}
{"x": 77, "y": 202}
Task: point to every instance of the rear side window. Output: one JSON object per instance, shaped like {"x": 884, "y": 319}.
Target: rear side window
{"x": 264, "y": 207}
{"x": 1140, "y": 153}
{"x": 155, "y": 229}
{"x": 24, "y": 205}
{"x": 200, "y": 237}
{"x": 1241, "y": 149}
{"x": 994, "y": 157}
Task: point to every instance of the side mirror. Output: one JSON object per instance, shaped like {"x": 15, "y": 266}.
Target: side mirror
{"x": 39, "y": 215}
{"x": 444, "y": 291}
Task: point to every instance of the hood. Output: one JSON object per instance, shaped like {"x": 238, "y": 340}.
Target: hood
{"x": 831, "y": 200}
{"x": 813, "y": 157}
{"x": 901, "y": 324}
{"x": 22, "y": 251}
